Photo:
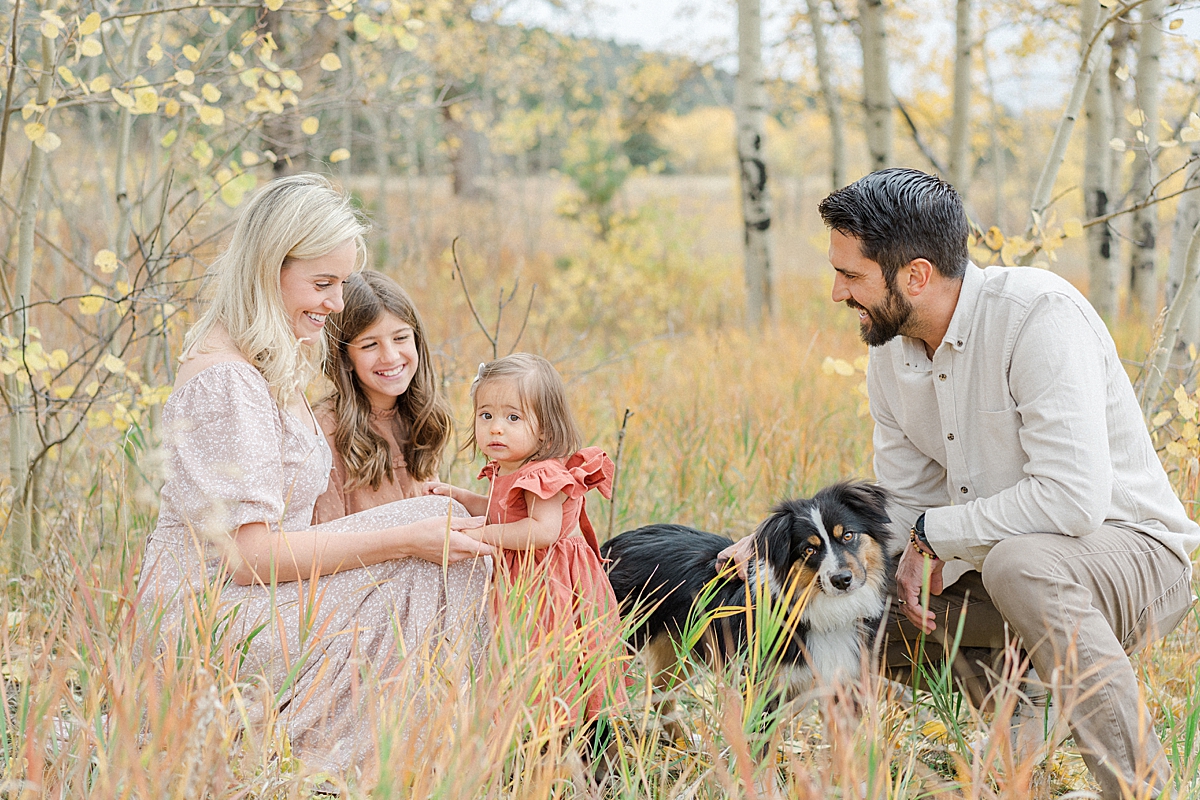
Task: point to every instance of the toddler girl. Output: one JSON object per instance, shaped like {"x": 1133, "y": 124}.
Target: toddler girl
{"x": 535, "y": 510}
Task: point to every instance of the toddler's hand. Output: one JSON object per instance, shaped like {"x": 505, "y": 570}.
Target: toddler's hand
{"x": 439, "y": 488}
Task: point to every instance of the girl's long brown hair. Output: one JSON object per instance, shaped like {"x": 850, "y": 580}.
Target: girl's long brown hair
{"x": 368, "y": 295}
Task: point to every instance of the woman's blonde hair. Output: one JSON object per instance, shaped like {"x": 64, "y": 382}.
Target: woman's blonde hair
{"x": 422, "y": 413}
{"x": 543, "y": 397}
{"x": 290, "y": 219}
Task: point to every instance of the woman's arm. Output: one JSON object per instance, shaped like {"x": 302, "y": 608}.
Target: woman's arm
{"x": 476, "y": 504}
{"x": 263, "y": 556}
{"x": 540, "y": 529}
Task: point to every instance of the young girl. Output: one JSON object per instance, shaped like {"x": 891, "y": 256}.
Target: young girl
{"x": 535, "y": 510}
{"x": 386, "y": 421}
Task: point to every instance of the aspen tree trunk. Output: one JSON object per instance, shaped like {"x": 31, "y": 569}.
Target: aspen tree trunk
{"x": 756, "y": 208}
{"x": 1173, "y": 323}
{"x": 1066, "y": 124}
{"x": 124, "y": 142}
{"x": 829, "y": 92}
{"x": 1143, "y": 280}
{"x": 1187, "y": 217}
{"x": 1117, "y": 66}
{"x": 20, "y": 433}
{"x": 877, "y": 91}
{"x": 346, "y": 123}
{"x": 1097, "y": 186}
{"x": 960, "y": 131}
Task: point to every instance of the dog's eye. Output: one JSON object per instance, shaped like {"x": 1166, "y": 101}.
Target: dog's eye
{"x": 809, "y": 551}
{"x": 848, "y": 537}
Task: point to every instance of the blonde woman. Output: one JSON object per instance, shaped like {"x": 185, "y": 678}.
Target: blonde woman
{"x": 386, "y": 420}
{"x": 246, "y": 462}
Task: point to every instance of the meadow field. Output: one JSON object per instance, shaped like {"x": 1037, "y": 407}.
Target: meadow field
{"x": 718, "y": 424}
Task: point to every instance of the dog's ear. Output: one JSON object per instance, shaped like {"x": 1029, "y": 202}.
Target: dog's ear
{"x": 775, "y": 532}
{"x": 869, "y": 501}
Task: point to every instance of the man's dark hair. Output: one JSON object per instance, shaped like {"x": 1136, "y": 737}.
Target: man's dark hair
{"x": 901, "y": 214}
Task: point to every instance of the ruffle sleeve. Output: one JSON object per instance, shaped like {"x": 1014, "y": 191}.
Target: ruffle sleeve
{"x": 593, "y": 469}
{"x": 226, "y": 440}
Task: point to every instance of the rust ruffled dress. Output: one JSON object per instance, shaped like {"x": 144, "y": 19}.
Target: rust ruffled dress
{"x": 566, "y": 581}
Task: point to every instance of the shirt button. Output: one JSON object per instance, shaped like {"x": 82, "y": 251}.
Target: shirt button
{"x": 963, "y": 490}
{"x": 950, "y": 436}
{"x": 960, "y": 344}
{"x": 942, "y": 377}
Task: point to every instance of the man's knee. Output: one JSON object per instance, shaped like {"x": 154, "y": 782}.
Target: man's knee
{"x": 1016, "y": 578}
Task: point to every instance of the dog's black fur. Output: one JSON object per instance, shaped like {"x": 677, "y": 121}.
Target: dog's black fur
{"x": 838, "y": 540}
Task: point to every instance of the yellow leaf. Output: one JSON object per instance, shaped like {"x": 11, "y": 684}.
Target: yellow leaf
{"x": 330, "y": 62}
{"x": 1130, "y": 156}
{"x": 91, "y": 48}
{"x": 90, "y": 24}
{"x": 291, "y": 80}
{"x": 67, "y": 76}
{"x": 1072, "y": 228}
{"x": 100, "y": 83}
{"x": 341, "y": 154}
{"x": 861, "y": 363}
{"x": 1177, "y": 449}
{"x": 34, "y": 131}
{"x": 210, "y": 93}
{"x": 172, "y": 135}
{"x": 58, "y": 359}
{"x": 91, "y": 389}
{"x": 49, "y": 142}
{"x": 994, "y": 239}
{"x": 189, "y": 98}
{"x": 123, "y": 99}
{"x": 248, "y": 37}
{"x": 250, "y": 158}
{"x": 35, "y": 361}
{"x": 407, "y": 42}
{"x": 8, "y": 366}
{"x": 106, "y": 260}
{"x": 367, "y": 28}
{"x": 1161, "y": 418}
{"x": 170, "y": 108}
{"x": 49, "y": 30}
{"x": 1117, "y": 144}
{"x": 1190, "y": 134}
{"x": 203, "y": 153}
{"x": 113, "y": 364}
{"x": 64, "y": 392}
{"x": 217, "y": 17}
{"x": 185, "y": 76}
{"x": 1135, "y": 117}
{"x": 154, "y": 54}
{"x": 310, "y": 125}
{"x": 274, "y": 5}
{"x": 92, "y": 302}
{"x": 1175, "y": 24}
{"x": 211, "y": 116}
{"x": 145, "y": 101}
{"x": 237, "y": 61}
{"x": 1051, "y": 243}
{"x": 190, "y": 53}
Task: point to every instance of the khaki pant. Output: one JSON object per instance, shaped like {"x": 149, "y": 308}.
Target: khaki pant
{"x": 1079, "y": 607}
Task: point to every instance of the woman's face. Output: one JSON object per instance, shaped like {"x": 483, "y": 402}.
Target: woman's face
{"x": 311, "y": 289}
{"x": 384, "y": 357}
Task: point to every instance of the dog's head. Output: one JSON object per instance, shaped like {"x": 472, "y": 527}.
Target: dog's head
{"x": 838, "y": 539}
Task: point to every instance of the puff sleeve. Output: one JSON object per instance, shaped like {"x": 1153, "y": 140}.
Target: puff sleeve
{"x": 225, "y": 440}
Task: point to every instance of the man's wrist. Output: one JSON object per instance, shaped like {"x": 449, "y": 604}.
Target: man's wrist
{"x": 916, "y": 537}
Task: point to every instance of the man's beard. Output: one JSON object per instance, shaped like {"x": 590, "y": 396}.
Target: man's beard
{"x": 884, "y": 322}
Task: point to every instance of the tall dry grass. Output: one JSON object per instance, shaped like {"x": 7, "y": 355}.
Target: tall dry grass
{"x": 723, "y": 425}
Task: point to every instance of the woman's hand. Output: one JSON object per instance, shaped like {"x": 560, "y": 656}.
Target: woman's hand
{"x": 910, "y": 576}
{"x": 740, "y": 553}
{"x": 429, "y": 540}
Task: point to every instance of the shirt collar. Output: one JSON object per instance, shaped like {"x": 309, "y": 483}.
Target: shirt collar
{"x": 964, "y": 311}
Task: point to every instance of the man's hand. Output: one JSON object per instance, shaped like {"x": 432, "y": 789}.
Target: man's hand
{"x": 740, "y": 552}
{"x": 910, "y": 575}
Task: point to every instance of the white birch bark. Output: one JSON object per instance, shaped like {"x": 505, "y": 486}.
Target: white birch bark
{"x": 1143, "y": 278}
{"x": 21, "y": 522}
{"x": 829, "y": 92}
{"x": 1089, "y": 9}
{"x": 877, "y": 91}
{"x": 1174, "y": 321}
{"x": 1187, "y": 217}
{"x": 1097, "y": 187}
{"x": 960, "y": 129}
{"x": 750, "y": 109}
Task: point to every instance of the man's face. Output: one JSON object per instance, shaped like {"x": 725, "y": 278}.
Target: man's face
{"x": 883, "y": 312}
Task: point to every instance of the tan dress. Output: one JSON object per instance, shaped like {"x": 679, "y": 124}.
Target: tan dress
{"x": 234, "y": 457}
{"x": 337, "y": 501}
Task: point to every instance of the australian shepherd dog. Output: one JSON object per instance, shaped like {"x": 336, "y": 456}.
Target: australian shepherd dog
{"x": 828, "y": 564}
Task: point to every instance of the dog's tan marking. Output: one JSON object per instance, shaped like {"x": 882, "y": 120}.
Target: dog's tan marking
{"x": 815, "y": 541}
{"x": 872, "y": 557}
{"x": 838, "y": 530}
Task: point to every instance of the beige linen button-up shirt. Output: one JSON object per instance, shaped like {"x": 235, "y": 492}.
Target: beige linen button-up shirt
{"x": 1024, "y": 421}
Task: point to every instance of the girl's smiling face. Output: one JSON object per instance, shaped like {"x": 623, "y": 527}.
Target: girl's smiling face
{"x": 503, "y": 430}
{"x": 385, "y": 359}
{"x": 311, "y": 289}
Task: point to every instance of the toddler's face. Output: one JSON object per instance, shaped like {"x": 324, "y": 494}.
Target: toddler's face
{"x": 503, "y": 430}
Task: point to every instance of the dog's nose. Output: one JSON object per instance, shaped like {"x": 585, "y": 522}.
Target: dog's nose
{"x": 841, "y": 580}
